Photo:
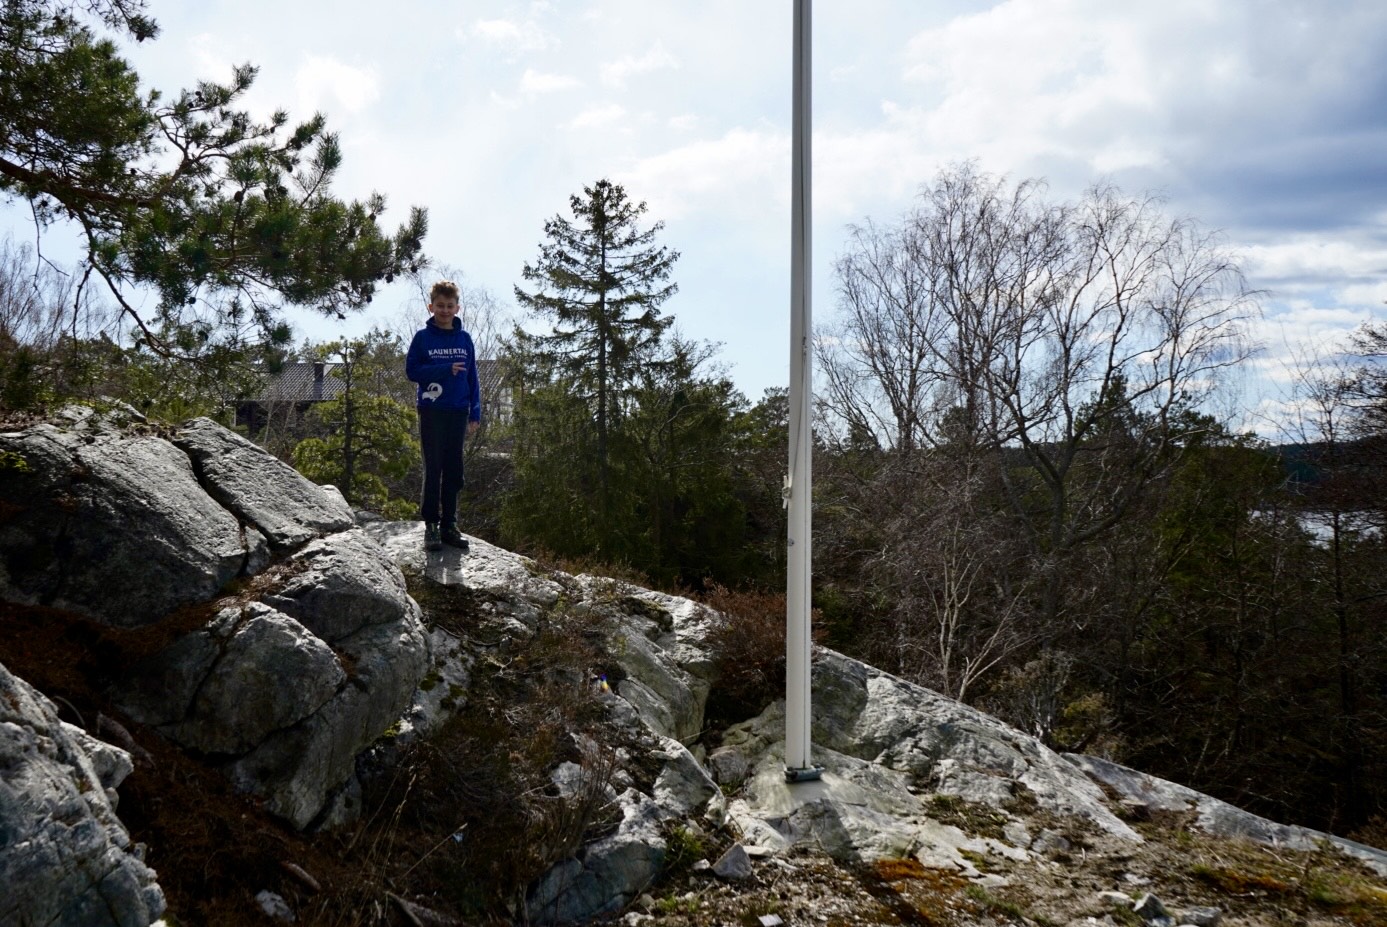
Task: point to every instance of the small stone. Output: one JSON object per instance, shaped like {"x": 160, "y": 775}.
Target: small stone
{"x": 702, "y": 865}
{"x": 274, "y": 906}
{"x": 770, "y": 920}
{"x": 1119, "y": 899}
{"x": 1017, "y": 835}
{"x": 734, "y": 865}
{"x": 1201, "y": 917}
{"x": 728, "y": 766}
{"x": 1131, "y": 878}
{"x": 756, "y": 852}
{"x": 1050, "y": 842}
{"x": 1150, "y": 909}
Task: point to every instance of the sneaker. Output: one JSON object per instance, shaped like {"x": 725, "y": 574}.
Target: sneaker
{"x": 431, "y": 538}
{"x": 452, "y": 538}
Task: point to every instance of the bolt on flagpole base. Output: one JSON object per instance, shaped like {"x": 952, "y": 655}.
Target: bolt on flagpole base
{"x": 803, "y": 773}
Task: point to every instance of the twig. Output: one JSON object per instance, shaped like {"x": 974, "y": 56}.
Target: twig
{"x": 431, "y": 849}
{"x": 405, "y": 908}
{"x": 419, "y": 915}
{"x": 302, "y": 875}
{"x": 74, "y": 709}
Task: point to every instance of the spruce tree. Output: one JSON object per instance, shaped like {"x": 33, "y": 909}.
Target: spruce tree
{"x": 600, "y": 280}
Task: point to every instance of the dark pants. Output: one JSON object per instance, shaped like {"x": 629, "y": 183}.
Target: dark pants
{"x": 441, "y": 432}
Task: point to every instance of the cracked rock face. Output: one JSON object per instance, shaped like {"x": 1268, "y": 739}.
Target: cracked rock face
{"x": 65, "y": 859}
{"x": 261, "y": 490}
{"x": 283, "y": 684}
{"x": 112, "y": 525}
{"x": 254, "y": 671}
{"x": 287, "y": 690}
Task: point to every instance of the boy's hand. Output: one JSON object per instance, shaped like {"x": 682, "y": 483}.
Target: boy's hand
{"x": 472, "y": 428}
{"x": 459, "y": 367}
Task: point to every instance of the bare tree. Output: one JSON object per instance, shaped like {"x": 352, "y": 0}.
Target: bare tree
{"x": 1369, "y": 344}
{"x": 955, "y": 610}
{"x": 1076, "y": 344}
{"x": 38, "y": 302}
{"x": 47, "y": 322}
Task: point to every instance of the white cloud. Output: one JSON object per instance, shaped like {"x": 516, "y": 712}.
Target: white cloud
{"x": 616, "y": 73}
{"x": 718, "y": 175}
{"x": 1076, "y": 78}
{"x": 327, "y": 84}
{"x": 1314, "y": 258}
{"x": 1298, "y": 334}
{"x": 206, "y": 51}
{"x": 1165, "y": 89}
{"x": 513, "y": 36}
{"x": 533, "y": 83}
{"x": 684, "y": 122}
{"x": 598, "y": 116}
{"x": 1364, "y": 294}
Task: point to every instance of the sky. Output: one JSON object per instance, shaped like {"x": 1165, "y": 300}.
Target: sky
{"x": 1263, "y": 119}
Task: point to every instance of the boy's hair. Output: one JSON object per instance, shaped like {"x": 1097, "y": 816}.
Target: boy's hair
{"x": 443, "y": 288}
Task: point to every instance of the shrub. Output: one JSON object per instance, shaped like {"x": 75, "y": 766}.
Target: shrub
{"x": 748, "y": 644}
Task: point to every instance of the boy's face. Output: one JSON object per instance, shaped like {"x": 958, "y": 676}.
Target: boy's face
{"x": 443, "y": 308}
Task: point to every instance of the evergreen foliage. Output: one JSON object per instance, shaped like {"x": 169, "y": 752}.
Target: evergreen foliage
{"x": 227, "y": 219}
{"x": 600, "y": 282}
{"x": 364, "y": 440}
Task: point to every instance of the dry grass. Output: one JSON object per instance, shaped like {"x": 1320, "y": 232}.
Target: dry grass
{"x": 458, "y": 825}
{"x": 1321, "y": 882}
{"x": 470, "y": 817}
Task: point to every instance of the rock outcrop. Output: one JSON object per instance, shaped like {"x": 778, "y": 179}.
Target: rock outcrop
{"x": 283, "y": 680}
{"x": 903, "y": 766}
{"x": 65, "y": 859}
{"x": 285, "y": 643}
{"x": 1145, "y": 792}
{"x": 107, "y": 519}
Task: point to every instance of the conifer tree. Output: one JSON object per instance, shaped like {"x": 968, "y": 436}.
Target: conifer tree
{"x": 600, "y": 280}
{"x": 225, "y": 217}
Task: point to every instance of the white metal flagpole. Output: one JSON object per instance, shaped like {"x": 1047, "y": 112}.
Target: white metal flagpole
{"x": 799, "y": 484}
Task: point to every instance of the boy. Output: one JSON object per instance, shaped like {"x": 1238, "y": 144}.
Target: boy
{"x": 443, "y": 362}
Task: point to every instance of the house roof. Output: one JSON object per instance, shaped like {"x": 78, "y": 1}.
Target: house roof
{"x": 297, "y": 382}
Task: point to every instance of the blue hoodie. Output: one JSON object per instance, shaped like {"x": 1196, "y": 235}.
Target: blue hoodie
{"x": 429, "y": 363}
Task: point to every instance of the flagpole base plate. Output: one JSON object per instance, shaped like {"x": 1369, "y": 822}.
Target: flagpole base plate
{"x": 803, "y": 773}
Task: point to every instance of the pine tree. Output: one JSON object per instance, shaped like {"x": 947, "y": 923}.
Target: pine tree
{"x": 600, "y": 280}
{"x": 226, "y": 217}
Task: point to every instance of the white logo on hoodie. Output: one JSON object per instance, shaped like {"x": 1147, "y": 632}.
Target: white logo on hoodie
{"x": 434, "y": 391}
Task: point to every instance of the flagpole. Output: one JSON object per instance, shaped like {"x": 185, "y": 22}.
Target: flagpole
{"x": 799, "y": 483}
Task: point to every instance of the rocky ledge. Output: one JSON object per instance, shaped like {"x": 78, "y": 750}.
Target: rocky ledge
{"x": 909, "y": 775}
{"x": 272, "y": 637}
